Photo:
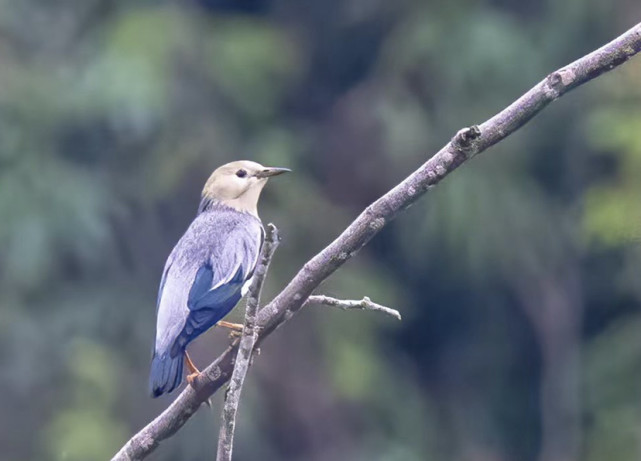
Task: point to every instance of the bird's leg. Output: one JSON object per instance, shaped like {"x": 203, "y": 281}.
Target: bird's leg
{"x": 193, "y": 374}
{"x": 237, "y": 327}
{"x": 193, "y": 371}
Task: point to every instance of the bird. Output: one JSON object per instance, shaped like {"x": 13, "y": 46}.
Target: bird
{"x": 210, "y": 268}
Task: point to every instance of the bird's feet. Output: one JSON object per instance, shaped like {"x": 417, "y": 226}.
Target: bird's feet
{"x": 190, "y": 380}
{"x": 193, "y": 374}
{"x": 235, "y": 329}
{"x": 193, "y": 371}
{"x": 238, "y": 327}
{"x": 191, "y": 377}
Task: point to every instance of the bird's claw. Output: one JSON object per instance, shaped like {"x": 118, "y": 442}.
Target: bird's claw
{"x": 192, "y": 377}
{"x": 235, "y": 329}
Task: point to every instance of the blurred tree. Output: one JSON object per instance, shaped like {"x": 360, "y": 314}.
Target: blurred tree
{"x": 518, "y": 338}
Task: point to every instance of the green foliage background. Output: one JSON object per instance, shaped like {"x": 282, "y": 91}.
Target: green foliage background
{"x": 518, "y": 278}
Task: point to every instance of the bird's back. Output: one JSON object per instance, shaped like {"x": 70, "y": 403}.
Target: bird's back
{"x": 202, "y": 281}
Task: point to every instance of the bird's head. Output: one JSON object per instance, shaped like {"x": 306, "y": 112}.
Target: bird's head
{"x": 238, "y": 185}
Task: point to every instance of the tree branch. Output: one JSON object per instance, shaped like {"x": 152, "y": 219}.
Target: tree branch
{"x": 365, "y": 304}
{"x": 245, "y": 347}
{"x": 467, "y": 143}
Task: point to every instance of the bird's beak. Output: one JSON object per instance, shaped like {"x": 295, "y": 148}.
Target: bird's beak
{"x": 271, "y": 171}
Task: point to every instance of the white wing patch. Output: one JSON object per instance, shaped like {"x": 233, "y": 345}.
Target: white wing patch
{"x": 247, "y": 284}
{"x": 245, "y": 288}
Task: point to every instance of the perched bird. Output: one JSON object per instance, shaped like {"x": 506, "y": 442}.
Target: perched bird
{"x": 209, "y": 269}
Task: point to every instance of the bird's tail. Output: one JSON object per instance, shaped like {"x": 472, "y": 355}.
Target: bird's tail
{"x": 166, "y": 373}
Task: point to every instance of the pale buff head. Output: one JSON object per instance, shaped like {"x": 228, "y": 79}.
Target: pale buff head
{"x": 238, "y": 184}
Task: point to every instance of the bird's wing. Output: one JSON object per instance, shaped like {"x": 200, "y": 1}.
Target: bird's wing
{"x": 204, "y": 276}
{"x": 221, "y": 277}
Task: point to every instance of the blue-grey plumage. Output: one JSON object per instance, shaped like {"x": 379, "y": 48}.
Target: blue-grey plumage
{"x": 206, "y": 271}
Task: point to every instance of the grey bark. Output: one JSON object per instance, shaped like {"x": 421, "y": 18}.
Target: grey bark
{"x": 245, "y": 347}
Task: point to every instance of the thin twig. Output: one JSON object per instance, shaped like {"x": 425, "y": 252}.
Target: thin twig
{"x": 245, "y": 347}
{"x": 467, "y": 143}
{"x": 365, "y": 304}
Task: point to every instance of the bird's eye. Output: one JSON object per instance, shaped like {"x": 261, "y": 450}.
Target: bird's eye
{"x": 241, "y": 173}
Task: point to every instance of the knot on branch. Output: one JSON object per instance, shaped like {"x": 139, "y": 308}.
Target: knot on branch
{"x": 559, "y": 82}
{"x": 273, "y": 231}
{"x": 465, "y": 140}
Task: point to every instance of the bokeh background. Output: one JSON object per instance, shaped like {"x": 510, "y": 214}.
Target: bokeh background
{"x": 519, "y": 277}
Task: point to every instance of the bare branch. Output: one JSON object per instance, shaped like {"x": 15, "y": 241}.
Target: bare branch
{"x": 365, "y": 304}
{"x": 467, "y": 143}
{"x": 245, "y": 347}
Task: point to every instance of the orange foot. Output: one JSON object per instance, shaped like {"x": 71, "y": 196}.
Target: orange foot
{"x": 238, "y": 327}
{"x": 191, "y": 377}
{"x": 193, "y": 371}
